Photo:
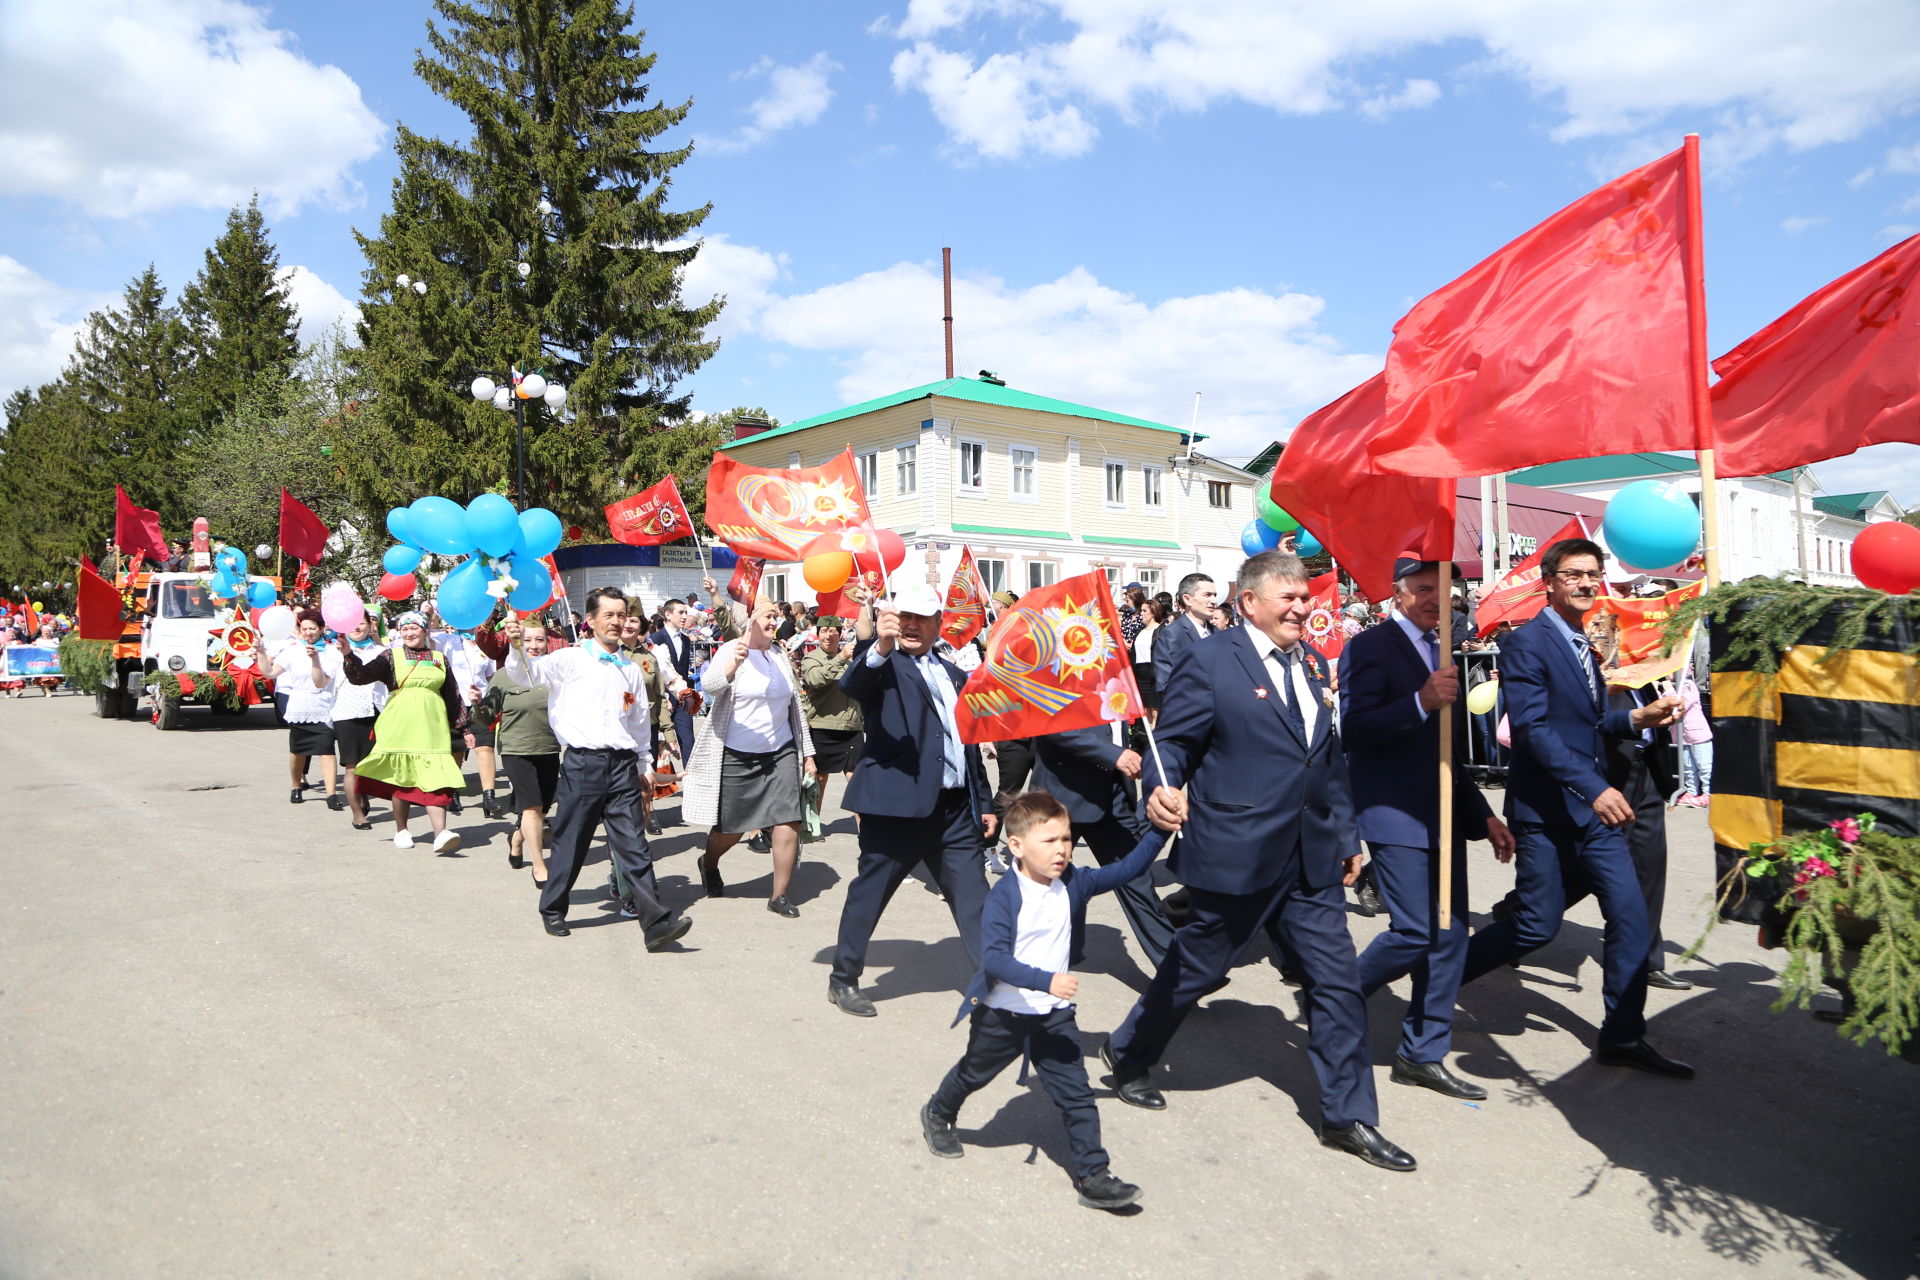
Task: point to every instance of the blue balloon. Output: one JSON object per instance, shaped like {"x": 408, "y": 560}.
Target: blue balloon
{"x": 439, "y": 525}
{"x": 399, "y": 524}
{"x": 234, "y": 561}
{"x": 1652, "y": 525}
{"x": 401, "y": 559}
{"x": 261, "y": 595}
{"x": 539, "y": 531}
{"x": 1258, "y": 536}
{"x": 535, "y": 584}
{"x": 223, "y": 587}
{"x": 463, "y": 601}
{"x": 494, "y": 524}
{"x": 1305, "y": 544}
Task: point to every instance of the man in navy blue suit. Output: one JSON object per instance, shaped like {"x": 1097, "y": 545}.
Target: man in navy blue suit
{"x": 1247, "y": 727}
{"x": 1193, "y": 623}
{"x": 1392, "y": 682}
{"x": 920, "y": 792}
{"x": 1569, "y": 822}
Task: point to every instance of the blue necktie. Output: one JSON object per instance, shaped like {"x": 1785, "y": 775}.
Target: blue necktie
{"x": 614, "y": 658}
{"x": 1288, "y": 707}
{"x": 1583, "y": 654}
{"x": 1433, "y": 649}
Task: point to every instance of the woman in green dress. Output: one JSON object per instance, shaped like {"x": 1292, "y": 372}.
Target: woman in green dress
{"x": 412, "y": 761}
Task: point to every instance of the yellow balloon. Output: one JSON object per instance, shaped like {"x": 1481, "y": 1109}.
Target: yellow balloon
{"x": 1480, "y": 699}
{"x": 38, "y": 607}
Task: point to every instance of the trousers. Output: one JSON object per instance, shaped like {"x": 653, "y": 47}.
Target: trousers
{"x": 1051, "y": 1041}
{"x": 948, "y": 841}
{"x": 600, "y": 785}
{"x": 1408, "y": 881}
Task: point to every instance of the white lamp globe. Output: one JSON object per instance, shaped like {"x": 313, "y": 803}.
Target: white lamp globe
{"x": 525, "y": 269}
{"x": 532, "y": 387}
{"x": 502, "y": 398}
{"x": 263, "y": 552}
{"x": 556, "y": 396}
{"x": 483, "y": 388}
{"x": 404, "y": 280}
{"x": 420, "y": 286}
{"x": 546, "y": 206}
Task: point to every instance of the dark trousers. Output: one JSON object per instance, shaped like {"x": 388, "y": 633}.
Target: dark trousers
{"x": 1647, "y": 846}
{"x": 1313, "y": 922}
{"x": 1110, "y": 840}
{"x": 683, "y": 731}
{"x": 948, "y": 841}
{"x": 1556, "y": 865}
{"x": 596, "y": 786}
{"x": 1016, "y": 766}
{"x": 1409, "y": 883}
{"x": 1052, "y": 1041}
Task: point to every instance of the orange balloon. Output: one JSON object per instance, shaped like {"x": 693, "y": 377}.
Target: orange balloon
{"x": 827, "y": 571}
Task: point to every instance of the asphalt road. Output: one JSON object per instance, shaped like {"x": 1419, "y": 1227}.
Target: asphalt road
{"x": 238, "y": 1038}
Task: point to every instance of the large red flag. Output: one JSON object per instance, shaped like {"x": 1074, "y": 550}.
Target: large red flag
{"x": 1055, "y": 661}
{"x": 1520, "y": 594}
{"x": 773, "y": 514}
{"x": 650, "y": 517}
{"x": 1570, "y": 342}
{"x": 98, "y": 607}
{"x": 302, "y": 536}
{"x": 1840, "y": 371}
{"x": 966, "y": 610}
{"x": 136, "y": 530}
{"x": 1323, "y": 624}
{"x": 1326, "y": 481}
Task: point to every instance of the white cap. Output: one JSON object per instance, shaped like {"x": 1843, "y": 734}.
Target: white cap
{"x": 919, "y": 599}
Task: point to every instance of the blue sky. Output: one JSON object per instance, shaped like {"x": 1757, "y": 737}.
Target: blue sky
{"x": 1145, "y": 198}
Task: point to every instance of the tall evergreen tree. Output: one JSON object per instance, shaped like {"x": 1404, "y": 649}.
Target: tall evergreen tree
{"x": 127, "y": 371}
{"x": 242, "y": 328}
{"x": 557, "y": 175}
{"x": 50, "y": 470}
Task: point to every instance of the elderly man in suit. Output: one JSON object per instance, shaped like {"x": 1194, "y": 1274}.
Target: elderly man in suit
{"x": 1569, "y": 822}
{"x": 1266, "y": 823}
{"x": 920, "y": 792}
{"x": 1195, "y": 601}
{"x": 1392, "y": 682}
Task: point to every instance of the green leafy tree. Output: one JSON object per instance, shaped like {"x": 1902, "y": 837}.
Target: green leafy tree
{"x": 559, "y": 175}
{"x": 242, "y": 329}
{"x": 54, "y": 512}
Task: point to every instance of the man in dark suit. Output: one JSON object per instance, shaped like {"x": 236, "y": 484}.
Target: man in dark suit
{"x": 1093, "y": 773}
{"x": 1195, "y": 603}
{"x": 920, "y": 792}
{"x": 1569, "y": 821}
{"x": 1247, "y": 726}
{"x": 1392, "y": 682}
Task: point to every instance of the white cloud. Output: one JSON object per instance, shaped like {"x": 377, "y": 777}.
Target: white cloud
{"x": 1898, "y": 232}
{"x": 319, "y": 304}
{"x": 1904, "y": 159}
{"x": 1794, "y": 226}
{"x": 795, "y": 96}
{"x": 39, "y": 321}
{"x": 1773, "y": 75}
{"x": 1415, "y": 95}
{"x": 745, "y": 275}
{"x": 1893, "y": 467}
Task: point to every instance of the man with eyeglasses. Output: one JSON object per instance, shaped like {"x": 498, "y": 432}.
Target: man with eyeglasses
{"x": 1569, "y": 824}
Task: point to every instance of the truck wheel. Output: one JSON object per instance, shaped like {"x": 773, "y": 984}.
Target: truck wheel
{"x": 166, "y": 712}
{"x": 106, "y": 703}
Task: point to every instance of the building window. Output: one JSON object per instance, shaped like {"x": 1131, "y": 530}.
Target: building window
{"x": 1150, "y": 478}
{"x": 774, "y": 587}
{"x": 1117, "y": 484}
{"x": 1113, "y": 575}
{"x": 906, "y": 466}
{"x": 1041, "y": 573}
{"x": 1220, "y": 494}
{"x": 993, "y": 573}
{"x": 973, "y": 467}
{"x": 1149, "y": 579}
{"x": 1021, "y": 460}
{"x": 869, "y": 465}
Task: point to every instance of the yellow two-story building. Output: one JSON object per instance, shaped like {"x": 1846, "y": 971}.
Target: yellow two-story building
{"x": 1040, "y": 489}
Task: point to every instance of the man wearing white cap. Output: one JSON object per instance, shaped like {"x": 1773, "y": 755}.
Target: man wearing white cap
{"x": 920, "y": 792}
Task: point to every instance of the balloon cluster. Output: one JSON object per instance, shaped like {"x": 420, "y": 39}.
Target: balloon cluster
{"x": 1652, "y": 525}
{"x": 230, "y": 580}
{"x": 502, "y": 549}
{"x": 830, "y": 559}
{"x": 1270, "y": 525}
{"x": 1886, "y": 557}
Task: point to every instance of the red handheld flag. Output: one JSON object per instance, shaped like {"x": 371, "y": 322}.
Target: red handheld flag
{"x": 1323, "y": 624}
{"x": 744, "y": 585}
{"x": 136, "y": 530}
{"x": 772, "y": 514}
{"x": 966, "y": 610}
{"x": 1055, "y": 661}
{"x": 650, "y": 517}
{"x": 1521, "y": 594}
{"x": 1840, "y": 371}
{"x": 302, "y": 536}
{"x": 838, "y": 604}
{"x": 98, "y": 608}
{"x": 1570, "y": 342}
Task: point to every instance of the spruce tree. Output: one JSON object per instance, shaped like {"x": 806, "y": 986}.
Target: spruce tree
{"x": 127, "y": 372}
{"x": 557, "y": 175}
{"x": 242, "y": 328}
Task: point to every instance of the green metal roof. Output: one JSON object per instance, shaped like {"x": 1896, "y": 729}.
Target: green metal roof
{"x": 980, "y": 393}
{"x": 1621, "y": 466}
{"x": 1849, "y": 506}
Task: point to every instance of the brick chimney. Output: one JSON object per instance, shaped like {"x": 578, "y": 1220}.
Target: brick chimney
{"x": 744, "y": 427}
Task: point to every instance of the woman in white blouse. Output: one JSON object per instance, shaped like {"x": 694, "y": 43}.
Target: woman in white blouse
{"x": 751, "y": 755}
{"x": 300, "y": 670}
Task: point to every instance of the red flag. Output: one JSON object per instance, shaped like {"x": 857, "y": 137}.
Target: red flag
{"x": 1570, "y": 342}
{"x": 744, "y": 585}
{"x": 1326, "y": 481}
{"x": 1323, "y": 624}
{"x": 772, "y": 514}
{"x": 136, "y": 530}
{"x": 838, "y": 604}
{"x": 966, "y": 610}
{"x": 1055, "y": 661}
{"x": 651, "y": 516}
{"x": 1840, "y": 371}
{"x": 302, "y": 536}
{"x": 1521, "y": 594}
{"x": 1640, "y": 630}
{"x": 99, "y": 606}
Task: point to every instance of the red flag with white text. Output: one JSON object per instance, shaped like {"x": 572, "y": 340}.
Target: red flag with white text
{"x": 650, "y": 517}
{"x": 1055, "y": 661}
{"x": 774, "y": 513}
{"x": 966, "y": 610}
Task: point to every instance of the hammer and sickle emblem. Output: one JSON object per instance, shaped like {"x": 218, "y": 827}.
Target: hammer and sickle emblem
{"x": 1882, "y": 307}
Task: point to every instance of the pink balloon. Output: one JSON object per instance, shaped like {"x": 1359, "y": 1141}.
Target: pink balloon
{"x": 341, "y": 609}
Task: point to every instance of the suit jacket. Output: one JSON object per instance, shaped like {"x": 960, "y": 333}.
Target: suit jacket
{"x": 1559, "y": 728}
{"x": 1077, "y": 767}
{"x": 1260, "y": 802}
{"x": 1393, "y": 753}
{"x": 900, "y": 771}
{"x": 1625, "y": 755}
{"x": 1169, "y": 642}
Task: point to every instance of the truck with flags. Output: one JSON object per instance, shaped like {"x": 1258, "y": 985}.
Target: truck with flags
{"x": 164, "y": 634}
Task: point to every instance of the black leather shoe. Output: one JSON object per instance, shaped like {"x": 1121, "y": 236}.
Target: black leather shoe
{"x": 1104, "y": 1191}
{"x": 781, "y": 907}
{"x": 1135, "y": 1090}
{"x": 456, "y": 806}
{"x": 337, "y": 802}
{"x": 1369, "y": 1144}
{"x": 1665, "y": 981}
{"x": 296, "y": 798}
{"x": 938, "y": 1131}
{"x": 1435, "y": 1076}
{"x": 665, "y": 931}
{"x": 556, "y": 925}
{"x": 710, "y": 878}
{"x": 653, "y": 824}
{"x": 850, "y": 1000}
{"x": 1644, "y": 1057}
{"x": 490, "y": 806}
{"x": 1367, "y": 899}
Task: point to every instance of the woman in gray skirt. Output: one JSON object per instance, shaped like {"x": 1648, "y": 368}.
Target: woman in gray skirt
{"x": 751, "y": 755}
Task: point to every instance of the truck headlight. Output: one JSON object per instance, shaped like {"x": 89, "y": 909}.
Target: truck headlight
{"x": 176, "y": 663}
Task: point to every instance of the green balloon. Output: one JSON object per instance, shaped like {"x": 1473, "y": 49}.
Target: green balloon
{"x": 1270, "y": 513}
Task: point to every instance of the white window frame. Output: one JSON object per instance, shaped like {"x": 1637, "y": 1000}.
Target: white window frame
{"x": 994, "y": 577}
{"x": 1108, "y": 487}
{"x": 906, "y": 469}
{"x": 1047, "y": 569}
{"x": 774, "y": 587}
{"x": 1153, "y": 488}
{"x": 1225, "y": 489}
{"x": 1032, "y": 454}
{"x": 960, "y": 446}
{"x": 1150, "y": 578}
{"x": 1113, "y": 576}
{"x": 866, "y": 465}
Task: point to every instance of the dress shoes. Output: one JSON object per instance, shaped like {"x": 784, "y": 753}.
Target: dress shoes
{"x": 710, "y": 878}
{"x": 1664, "y": 981}
{"x": 296, "y": 798}
{"x": 653, "y": 824}
{"x": 1644, "y": 1057}
{"x": 665, "y": 931}
{"x": 1367, "y": 899}
{"x": 1135, "y": 1090}
{"x": 456, "y": 806}
{"x": 1435, "y": 1076}
{"x": 1104, "y": 1191}
{"x": 938, "y": 1131}
{"x": 850, "y": 1000}
{"x": 781, "y": 907}
{"x": 336, "y": 802}
{"x": 556, "y": 925}
{"x": 1369, "y": 1144}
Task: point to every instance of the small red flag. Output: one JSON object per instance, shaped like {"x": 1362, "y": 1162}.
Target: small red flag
{"x": 773, "y": 514}
{"x": 136, "y": 530}
{"x": 1840, "y": 371}
{"x": 1642, "y": 626}
{"x": 744, "y": 585}
{"x": 302, "y": 536}
{"x": 1323, "y": 624}
{"x": 966, "y": 610}
{"x": 1521, "y": 594}
{"x": 1055, "y": 661}
{"x": 650, "y": 517}
{"x": 98, "y": 608}
{"x": 838, "y": 604}
{"x": 1570, "y": 342}
{"x": 1326, "y": 481}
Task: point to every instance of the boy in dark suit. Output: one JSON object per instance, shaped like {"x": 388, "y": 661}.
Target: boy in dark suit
{"x": 1032, "y": 931}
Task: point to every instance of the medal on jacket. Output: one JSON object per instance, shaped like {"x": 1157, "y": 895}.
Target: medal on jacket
{"x": 1260, "y": 692}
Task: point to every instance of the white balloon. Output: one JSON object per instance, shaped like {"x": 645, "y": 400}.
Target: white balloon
{"x": 420, "y": 286}
{"x": 503, "y": 399}
{"x": 532, "y": 387}
{"x": 556, "y": 396}
{"x": 483, "y": 388}
{"x": 277, "y": 623}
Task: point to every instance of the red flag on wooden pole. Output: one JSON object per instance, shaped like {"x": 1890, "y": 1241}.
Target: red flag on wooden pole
{"x": 1055, "y": 661}
{"x": 650, "y": 517}
{"x": 136, "y": 530}
{"x": 302, "y": 536}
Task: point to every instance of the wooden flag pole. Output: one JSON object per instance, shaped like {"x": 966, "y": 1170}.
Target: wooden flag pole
{"x": 1446, "y": 751}
{"x": 1696, "y": 277}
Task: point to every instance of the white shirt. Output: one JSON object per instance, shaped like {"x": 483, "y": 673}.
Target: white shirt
{"x": 1419, "y": 638}
{"x": 762, "y": 701}
{"x": 1143, "y": 643}
{"x": 1043, "y": 938}
{"x": 1304, "y": 695}
{"x": 466, "y": 665}
{"x": 305, "y": 704}
{"x": 354, "y": 701}
{"x": 590, "y": 703}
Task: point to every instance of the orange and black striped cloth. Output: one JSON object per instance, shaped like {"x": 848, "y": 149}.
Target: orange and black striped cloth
{"x": 1830, "y": 735}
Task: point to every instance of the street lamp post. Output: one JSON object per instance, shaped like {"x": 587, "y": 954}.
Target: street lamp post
{"x": 513, "y": 395}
